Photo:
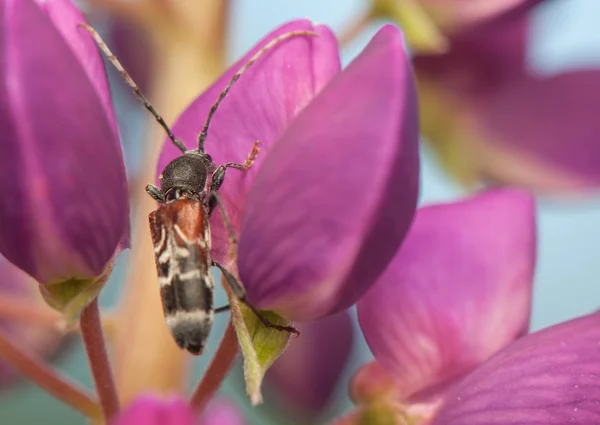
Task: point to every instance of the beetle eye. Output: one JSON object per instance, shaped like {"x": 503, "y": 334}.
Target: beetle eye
{"x": 172, "y": 195}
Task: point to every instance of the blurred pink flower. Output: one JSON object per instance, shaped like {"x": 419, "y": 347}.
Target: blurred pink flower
{"x": 491, "y": 117}
{"x": 457, "y": 291}
{"x": 454, "y": 15}
{"x": 149, "y": 409}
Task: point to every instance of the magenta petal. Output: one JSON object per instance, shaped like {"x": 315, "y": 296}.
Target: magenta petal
{"x": 151, "y": 410}
{"x": 60, "y": 163}
{"x": 308, "y": 372}
{"x": 527, "y": 129}
{"x": 65, "y": 16}
{"x": 548, "y": 377}
{"x": 336, "y": 194}
{"x": 455, "y": 15}
{"x": 221, "y": 411}
{"x": 458, "y": 290}
{"x": 259, "y": 107}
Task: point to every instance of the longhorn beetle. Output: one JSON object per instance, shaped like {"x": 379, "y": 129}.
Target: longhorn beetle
{"x": 180, "y": 226}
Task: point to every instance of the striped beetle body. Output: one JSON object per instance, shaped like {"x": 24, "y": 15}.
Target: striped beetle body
{"x": 181, "y": 238}
{"x": 180, "y": 226}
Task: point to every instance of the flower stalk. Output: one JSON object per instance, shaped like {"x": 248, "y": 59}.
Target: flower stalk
{"x": 217, "y": 370}
{"x": 48, "y": 379}
{"x": 93, "y": 338}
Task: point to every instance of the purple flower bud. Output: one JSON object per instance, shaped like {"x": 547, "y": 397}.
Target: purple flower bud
{"x": 457, "y": 291}
{"x": 333, "y": 190}
{"x": 548, "y": 377}
{"x": 308, "y": 372}
{"x": 67, "y": 213}
{"x": 259, "y": 106}
{"x": 337, "y": 193}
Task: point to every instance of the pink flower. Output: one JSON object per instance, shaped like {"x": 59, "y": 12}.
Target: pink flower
{"x": 68, "y": 212}
{"x": 151, "y": 410}
{"x": 491, "y": 117}
{"x": 550, "y": 376}
{"x": 334, "y": 189}
{"x": 457, "y": 291}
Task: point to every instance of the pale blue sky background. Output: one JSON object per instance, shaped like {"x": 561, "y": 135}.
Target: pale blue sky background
{"x": 568, "y": 276}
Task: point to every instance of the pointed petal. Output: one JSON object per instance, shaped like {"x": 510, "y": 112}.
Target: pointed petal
{"x": 458, "y": 290}
{"x": 66, "y": 16}
{"x": 548, "y": 377}
{"x": 68, "y": 207}
{"x": 308, "y": 372}
{"x": 335, "y": 196}
{"x": 258, "y": 107}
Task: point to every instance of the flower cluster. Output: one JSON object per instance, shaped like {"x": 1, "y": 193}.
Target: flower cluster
{"x": 326, "y": 219}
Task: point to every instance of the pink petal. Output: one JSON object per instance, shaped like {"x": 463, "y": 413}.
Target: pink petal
{"x": 259, "y": 107}
{"x": 548, "y": 377}
{"x": 513, "y": 125}
{"x": 458, "y": 290}
{"x": 308, "y": 372}
{"x": 151, "y": 410}
{"x": 336, "y": 194}
{"x": 61, "y": 161}
{"x": 221, "y": 411}
{"x": 65, "y": 16}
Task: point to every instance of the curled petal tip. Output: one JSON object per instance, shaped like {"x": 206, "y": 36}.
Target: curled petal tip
{"x": 336, "y": 194}
{"x": 457, "y": 291}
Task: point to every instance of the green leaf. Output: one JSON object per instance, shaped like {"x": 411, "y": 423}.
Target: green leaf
{"x": 260, "y": 345}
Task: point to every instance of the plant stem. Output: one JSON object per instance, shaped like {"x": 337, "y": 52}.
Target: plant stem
{"x": 218, "y": 369}
{"x": 93, "y": 339}
{"x": 47, "y": 378}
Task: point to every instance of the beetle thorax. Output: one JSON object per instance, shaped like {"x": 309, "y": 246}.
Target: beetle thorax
{"x": 186, "y": 174}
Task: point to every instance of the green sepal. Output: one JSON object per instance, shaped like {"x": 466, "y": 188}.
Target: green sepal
{"x": 71, "y": 296}
{"x": 260, "y": 345}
